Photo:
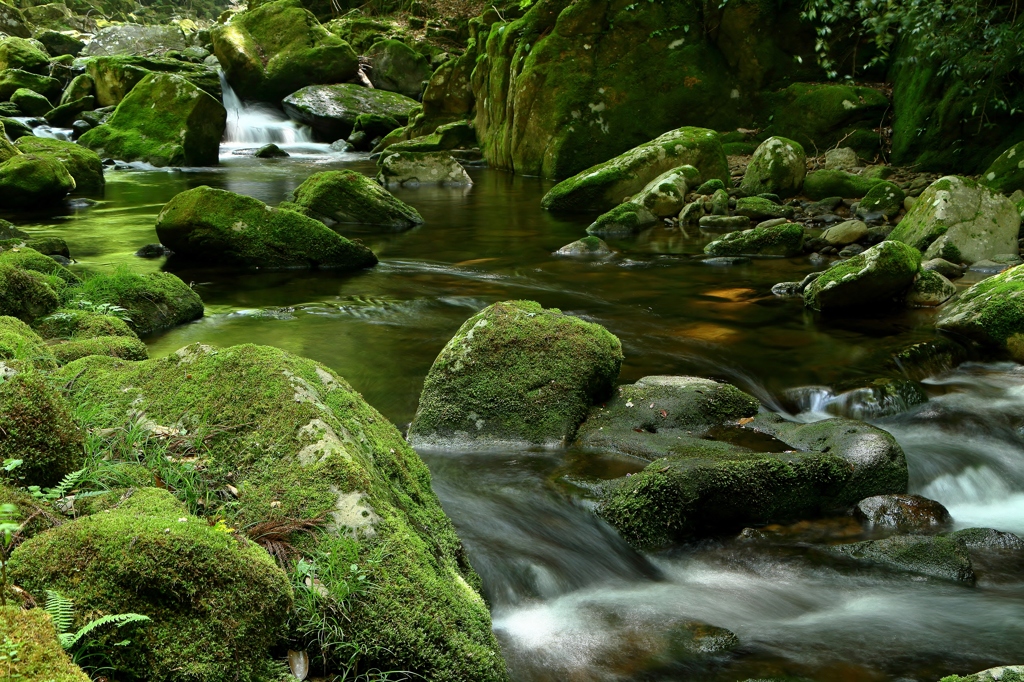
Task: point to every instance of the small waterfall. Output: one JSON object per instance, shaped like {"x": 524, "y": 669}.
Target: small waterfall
{"x": 251, "y": 123}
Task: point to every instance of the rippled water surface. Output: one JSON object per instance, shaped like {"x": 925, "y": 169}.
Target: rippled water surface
{"x": 571, "y": 601}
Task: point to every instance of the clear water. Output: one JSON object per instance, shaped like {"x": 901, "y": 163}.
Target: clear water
{"x": 570, "y": 600}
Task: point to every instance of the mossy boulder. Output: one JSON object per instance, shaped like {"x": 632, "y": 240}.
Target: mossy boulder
{"x": 779, "y": 240}
{"x": 32, "y": 181}
{"x": 39, "y": 654}
{"x": 396, "y": 67}
{"x": 279, "y": 47}
{"x": 759, "y": 208}
{"x": 136, "y": 39}
{"x": 25, "y": 294}
{"x": 57, "y": 43}
{"x": 930, "y": 289}
{"x": 22, "y": 347}
{"x": 991, "y": 313}
{"x": 623, "y": 220}
{"x": 83, "y": 324}
{"x": 874, "y": 277}
{"x": 299, "y": 443}
{"x": 778, "y": 166}
{"x": 823, "y": 184}
{"x": 48, "y": 246}
{"x": 1008, "y": 673}
{"x": 80, "y": 86}
{"x": 124, "y": 347}
{"x": 7, "y": 150}
{"x": 819, "y": 115}
{"x": 960, "y": 221}
{"x": 30, "y": 103}
{"x": 905, "y": 513}
{"x": 422, "y": 168}
{"x": 29, "y": 259}
{"x": 19, "y": 53}
{"x": 516, "y": 373}
{"x": 114, "y": 77}
{"x": 588, "y": 247}
{"x": 12, "y": 80}
{"x": 64, "y": 115}
{"x": 350, "y": 197}
{"x": 216, "y": 601}
{"x": 14, "y": 23}
{"x": 665, "y": 195}
{"x": 934, "y": 556}
{"x": 152, "y": 302}
{"x": 455, "y": 135}
{"x": 1006, "y": 174}
{"x": 165, "y": 120}
{"x": 607, "y": 184}
{"x": 84, "y": 165}
{"x": 885, "y": 199}
{"x": 216, "y": 227}
{"x": 331, "y": 110}
{"x": 37, "y": 428}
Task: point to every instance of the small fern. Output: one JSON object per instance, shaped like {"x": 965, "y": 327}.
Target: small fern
{"x": 69, "y": 640}
{"x": 62, "y": 612}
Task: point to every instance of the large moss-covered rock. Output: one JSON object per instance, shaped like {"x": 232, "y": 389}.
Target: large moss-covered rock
{"x": 216, "y": 227}
{"x": 331, "y": 110}
{"x": 13, "y": 22}
{"x": 165, "y": 120}
{"x": 26, "y": 295}
{"x": 114, "y": 77}
{"x": 960, "y": 221}
{"x": 777, "y": 167}
{"x": 71, "y": 323}
{"x": 873, "y": 277}
{"x": 27, "y": 258}
{"x": 57, "y": 43}
{"x": 351, "y": 197}
{"x": 605, "y": 185}
{"x": 823, "y": 184}
{"x": 152, "y": 303}
{"x": 516, "y": 372}
{"x": 18, "y": 53}
{"x": 299, "y": 443}
{"x": 779, "y": 240}
{"x": 64, "y": 115}
{"x": 991, "y": 312}
{"x": 398, "y": 68}
{"x": 279, "y": 47}
{"x": 39, "y": 655}
{"x": 935, "y": 556}
{"x": 31, "y": 181}
{"x": 12, "y": 80}
{"x": 625, "y": 219}
{"x": 30, "y": 103}
{"x": 84, "y": 165}
{"x": 22, "y": 347}
{"x": 136, "y": 39}
{"x": 819, "y": 115}
{"x": 216, "y": 601}
{"x": 37, "y": 428}
{"x": 124, "y": 347}
{"x": 1006, "y": 174}
{"x": 455, "y": 135}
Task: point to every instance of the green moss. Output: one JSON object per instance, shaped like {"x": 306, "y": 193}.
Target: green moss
{"x": 818, "y": 116}
{"x": 457, "y": 135}
{"x": 30, "y": 103}
{"x": 398, "y": 68}
{"x": 28, "y": 181}
{"x": 30, "y": 259}
{"x": 516, "y": 372}
{"x": 1006, "y": 174}
{"x": 80, "y": 324}
{"x": 873, "y": 277}
{"x": 216, "y": 227}
{"x": 1012, "y": 673}
{"x": 124, "y": 347}
{"x": 25, "y": 295}
{"x": 711, "y": 186}
{"x": 115, "y": 76}
{"x": 39, "y": 654}
{"x": 836, "y": 183}
{"x": 624, "y": 219}
{"x": 47, "y": 246}
{"x": 82, "y": 164}
{"x": 778, "y": 167}
{"x": 217, "y": 603}
{"x": 781, "y": 240}
{"x": 37, "y": 426}
{"x": 34, "y": 516}
{"x": 990, "y": 312}
{"x": 142, "y": 500}
{"x": 19, "y": 53}
{"x": 757, "y": 208}
{"x": 332, "y": 110}
{"x": 152, "y": 302}
{"x": 350, "y": 197}
{"x": 20, "y": 344}
{"x": 885, "y": 198}
{"x": 936, "y": 556}
{"x": 12, "y": 80}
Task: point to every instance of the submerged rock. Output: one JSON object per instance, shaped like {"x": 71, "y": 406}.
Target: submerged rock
{"x": 351, "y": 197}
{"x": 605, "y": 185}
{"x": 215, "y": 227}
{"x": 271, "y": 151}
{"x": 876, "y": 276}
{"x": 934, "y": 556}
{"x": 780, "y": 240}
{"x": 778, "y": 166}
{"x": 588, "y": 247}
{"x": 960, "y": 221}
{"x": 332, "y": 110}
{"x": 422, "y": 168}
{"x": 84, "y": 165}
{"x": 991, "y": 312}
{"x": 166, "y": 121}
{"x": 905, "y": 513}
{"x": 516, "y": 373}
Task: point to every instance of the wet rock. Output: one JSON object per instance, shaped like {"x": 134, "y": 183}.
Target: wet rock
{"x": 332, "y": 110}
{"x": 1006, "y": 174}
{"x": 930, "y": 289}
{"x": 166, "y": 121}
{"x": 215, "y": 227}
{"x": 84, "y": 165}
{"x": 623, "y": 220}
{"x": 988, "y": 539}
{"x": 904, "y": 513}
{"x": 944, "y": 268}
{"x": 152, "y": 251}
{"x": 778, "y": 166}
{"x": 271, "y": 151}
{"x": 588, "y": 247}
{"x": 723, "y": 222}
{"x": 1009, "y": 673}
{"x": 278, "y": 48}
{"x": 787, "y": 289}
{"x": 934, "y": 556}
{"x": 516, "y": 373}
{"x": 849, "y": 232}
{"x": 991, "y": 313}
{"x": 851, "y": 251}
{"x": 30, "y": 103}
{"x": 960, "y": 221}
{"x": 605, "y": 185}
{"x": 30, "y": 180}
{"x": 719, "y": 203}
{"x": 398, "y": 68}
{"x": 876, "y": 276}
{"x": 885, "y": 199}
{"x": 422, "y": 168}
{"x": 843, "y": 158}
{"x": 929, "y": 358}
{"x": 691, "y": 213}
{"x": 727, "y": 260}
{"x": 785, "y": 240}
{"x": 350, "y": 197}
{"x": 757, "y": 208}
{"x": 836, "y": 183}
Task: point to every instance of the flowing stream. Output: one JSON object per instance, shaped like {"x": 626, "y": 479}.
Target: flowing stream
{"x": 570, "y": 600}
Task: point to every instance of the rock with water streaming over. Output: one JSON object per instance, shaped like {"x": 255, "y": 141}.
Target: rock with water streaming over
{"x": 931, "y": 555}
{"x": 350, "y": 197}
{"x": 904, "y": 513}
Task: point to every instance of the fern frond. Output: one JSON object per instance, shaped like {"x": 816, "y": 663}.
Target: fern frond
{"x": 66, "y": 484}
{"x": 117, "y": 620}
{"x": 61, "y": 610}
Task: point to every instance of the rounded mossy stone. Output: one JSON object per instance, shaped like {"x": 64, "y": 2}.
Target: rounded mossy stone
{"x": 780, "y": 240}
{"x": 30, "y": 180}
{"x": 710, "y": 187}
{"x": 216, "y": 601}
{"x": 623, "y": 220}
{"x": 29, "y": 259}
{"x": 300, "y": 444}
{"x": 152, "y": 302}
{"x": 516, "y": 372}
{"x": 165, "y": 120}
{"x": 874, "y": 277}
{"x": 20, "y": 345}
{"x": 39, "y": 655}
{"x": 935, "y": 556}
{"x": 665, "y": 195}
{"x": 143, "y": 498}
{"x": 19, "y": 53}
{"x": 991, "y": 312}
{"x": 14, "y": 79}
{"x": 759, "y": 208}
{"x": 216, "y": 227}
{"x": 1006, "y": 174}
{"x": 25, "y": 294}
{"x": 84, "y": 165}
{"x": 778, "y": 166}
{"x": 930, "y": 289}
{"x": 605, "y": 185}
{"x": 37, "y": 428}
{"x": 332, "y": 110}
{"x": 68, "y": 323}
{"x": 885, "y": 198}
{"x": 31, "y": 103}
{"x": 837, "y": 183}
{"x": 48, "y": 246}
{"x": 34, "y": 516}
{"x": 346, "y": 196}
{"x": 398, "y": 68}
{"x": 124, "y": 347}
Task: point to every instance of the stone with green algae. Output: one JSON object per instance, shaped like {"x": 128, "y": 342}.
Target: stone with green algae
{"x": 350, "y": 197}
{"x": 874, "y": 277}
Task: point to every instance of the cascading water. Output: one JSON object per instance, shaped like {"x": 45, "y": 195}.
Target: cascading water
{"x": 251, "y": 123}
